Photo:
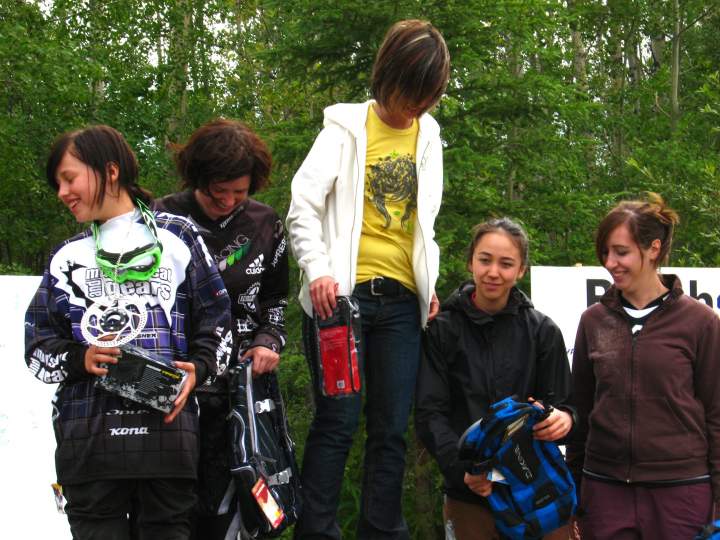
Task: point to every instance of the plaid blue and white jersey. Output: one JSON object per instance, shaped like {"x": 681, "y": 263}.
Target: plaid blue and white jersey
{"x": 100, "y": 435}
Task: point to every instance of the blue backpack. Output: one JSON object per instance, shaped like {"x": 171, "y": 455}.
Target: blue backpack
{"x": 538, "y": 493}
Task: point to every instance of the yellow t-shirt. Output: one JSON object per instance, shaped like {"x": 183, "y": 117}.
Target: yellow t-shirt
{"x": 390, "y": 204}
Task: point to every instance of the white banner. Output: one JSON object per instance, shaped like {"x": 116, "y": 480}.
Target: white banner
{"x": 563, "y": 292}
{"x": 27, "y": 442}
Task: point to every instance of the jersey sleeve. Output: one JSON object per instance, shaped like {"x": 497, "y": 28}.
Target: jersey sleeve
{"x": 273, "y": 295}
{"x": 210, "y": 341}
{"x": 433, "y": 407}
{"x": 51, "y": 353}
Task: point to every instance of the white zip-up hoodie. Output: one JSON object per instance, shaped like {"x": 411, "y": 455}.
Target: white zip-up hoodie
{"x": 326, "y": 212}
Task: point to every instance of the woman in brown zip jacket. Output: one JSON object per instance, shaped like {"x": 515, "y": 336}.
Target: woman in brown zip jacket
{"x": 646, "y": 453}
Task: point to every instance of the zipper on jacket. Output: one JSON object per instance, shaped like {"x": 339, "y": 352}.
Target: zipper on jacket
{"x": 634, "y": 338}
{"x": 352, "y": 230}
{"x": 632, "y": 404}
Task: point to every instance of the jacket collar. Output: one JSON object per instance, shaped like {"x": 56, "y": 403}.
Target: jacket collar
{"x": 461, "y": 300}
{"x": 352, "y": 116}
{"x": 611, "y": 298}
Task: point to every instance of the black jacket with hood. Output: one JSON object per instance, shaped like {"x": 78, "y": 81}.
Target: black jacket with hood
{"x": 472, "y": 359}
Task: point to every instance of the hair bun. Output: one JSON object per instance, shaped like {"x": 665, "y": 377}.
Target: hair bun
{"x": 664, "y": 213}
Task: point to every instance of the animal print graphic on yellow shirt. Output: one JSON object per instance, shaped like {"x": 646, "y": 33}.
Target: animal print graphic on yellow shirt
{"x": 393, "y": 181}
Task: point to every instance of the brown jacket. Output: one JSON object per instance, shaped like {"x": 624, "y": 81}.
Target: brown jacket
{"x": 649, "y": 406}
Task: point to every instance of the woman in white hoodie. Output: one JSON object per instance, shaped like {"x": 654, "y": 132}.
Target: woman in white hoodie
{"x": 360, "y": 223}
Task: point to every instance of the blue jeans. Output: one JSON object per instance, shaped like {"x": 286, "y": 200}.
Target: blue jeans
{"x": 389, "y": 358}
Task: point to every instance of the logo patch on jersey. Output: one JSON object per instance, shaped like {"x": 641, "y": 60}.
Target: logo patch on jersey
{"x": 247, "y": 299}
{"x": 122, "y": 412}
{"x": 276, "y": 316}
{"x": 121, "y": 431}
{"x": 279, "y": 252}
{"x": 246, "y": 326}
{"x": 48, "y": 367}
{"x": 224, "y": 349}
{"x": 233, "y": 252}
{"x": 256, "y": 267}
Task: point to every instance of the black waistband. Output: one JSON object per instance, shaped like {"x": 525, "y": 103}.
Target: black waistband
{"x": 704, "y": 478}
{"x": 384, "y": 286}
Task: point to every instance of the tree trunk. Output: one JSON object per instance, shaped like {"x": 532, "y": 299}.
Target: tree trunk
{"x": 159, "y": 50}
{"x": 579, "y": 54}
{"x": 97, "y": 86}
{"x": 179, "y": 51}
{"x": 635, "y": 67}
{"x": 616, "y": 101}
{"x": 675, "y": 69}
{"x": 515, "y": 65}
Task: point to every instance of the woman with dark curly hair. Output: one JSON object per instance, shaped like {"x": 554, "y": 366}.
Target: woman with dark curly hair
{"x": 222, "y": 164}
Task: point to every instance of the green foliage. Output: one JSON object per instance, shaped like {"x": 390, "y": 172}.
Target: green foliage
{"x": 555, "y": 110}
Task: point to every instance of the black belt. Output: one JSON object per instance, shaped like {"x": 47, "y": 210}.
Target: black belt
{"x": 384, "y": 286}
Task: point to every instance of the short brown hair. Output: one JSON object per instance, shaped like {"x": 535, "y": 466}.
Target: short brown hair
{"x": 647, "y": 220}
{"x": 514, "y": 230}
{"x": 223, "y": 150}
{"x": 98, "y": 147}
{"x": 412, "y": 65}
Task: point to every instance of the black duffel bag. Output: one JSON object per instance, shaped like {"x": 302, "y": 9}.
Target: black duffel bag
{"x": 262, "y": 457}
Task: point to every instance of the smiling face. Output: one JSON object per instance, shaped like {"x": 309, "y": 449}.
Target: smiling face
{"x": 222, "y": 198}
{"x": 77, "y": 189}
{"x": 496, "y": 266}
{"x": 632, "y": 268}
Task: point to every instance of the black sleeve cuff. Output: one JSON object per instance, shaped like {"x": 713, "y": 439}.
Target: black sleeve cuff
{"x": 268, "y": 341}
{"x": 201, "y": 372}
{"x": 76, "y": 362}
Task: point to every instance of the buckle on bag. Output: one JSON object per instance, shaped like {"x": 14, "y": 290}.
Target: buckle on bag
{"x": 282, "y": 477}
{"x": 266, "y": 405}
{"x": 376, "y": 282}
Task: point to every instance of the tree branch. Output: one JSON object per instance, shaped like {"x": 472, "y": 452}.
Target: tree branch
{"x": 697, "y": 19}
